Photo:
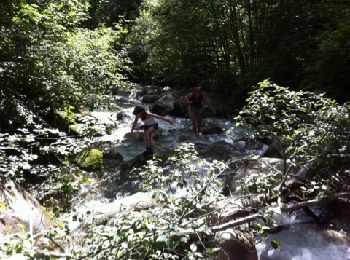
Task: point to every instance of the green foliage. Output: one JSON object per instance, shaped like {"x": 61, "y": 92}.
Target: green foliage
{"x": 50, "y": 59}
{"x": 299, "y": 118}
{"x": 19, "y": 246}
{"x": 167, "y": 231}
{"x": 310, "y": 127}
{"x": 275, "y": 244}
{"x": 110, "y": 12}
{"x": 233, "y": 44}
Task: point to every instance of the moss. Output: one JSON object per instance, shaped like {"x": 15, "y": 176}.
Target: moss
{"x": 90, "y": 159}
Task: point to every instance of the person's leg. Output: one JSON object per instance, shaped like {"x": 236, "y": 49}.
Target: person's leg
{"x": 148, "y": 138}
{"x": 199, "y": 123}
{"x": 193, "y": 112}
{"x": 194, "y": 126}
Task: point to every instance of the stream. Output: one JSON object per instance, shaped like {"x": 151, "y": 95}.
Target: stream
{"x": 303, "y": 241}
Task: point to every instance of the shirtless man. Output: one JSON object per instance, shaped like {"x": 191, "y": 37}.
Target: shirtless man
{"x": 194, "y": 99}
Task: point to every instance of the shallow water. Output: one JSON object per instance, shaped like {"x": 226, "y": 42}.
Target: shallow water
{"x": 303, "y": 242}
{"x": 298, "y": 242}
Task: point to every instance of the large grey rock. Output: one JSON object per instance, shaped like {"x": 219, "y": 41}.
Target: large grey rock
{"x": 212, "y": 130}
{"x": 164, "y": 106}
{"x": 137, "y": 162}
{"x": 112, "y": 154}
{"x": 275, "y": 149}
{"x": 262, "y": 167}
{"x": 150, "y": 98}
{"x": 19, "y": 210}
{"x": 219, "y": 150}
{"x": 170, "y": 104}
{"x": 235, "y": 245}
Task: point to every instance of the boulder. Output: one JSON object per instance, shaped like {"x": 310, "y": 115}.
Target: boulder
{"x": 150, "y": 98}
{"x": 260, "y": 167}
{"x": 336, "y": 236}
{"x": 180, "y": 107}
{"x": 19, "y": 211}
{"x": 89, "y": 159}
{"x": 120, "y": 115}
{"x": 112, "y": 154}
{"x": 219, "y": 150}
{"x": 152, "y": 90}
{"x": 275, "y": 149}
{"x": 134, "y": 136}
{"x": 212, "y": 130}
{"x": 235, "y": 245}
{"x": 164, "y": 106}
{"x": 137, "y": 162}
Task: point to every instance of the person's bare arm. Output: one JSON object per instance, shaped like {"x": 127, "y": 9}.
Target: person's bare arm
{"x": 134, "y": 124}
{"x": 187, "y": 98}
{"x": 172, "y": 122}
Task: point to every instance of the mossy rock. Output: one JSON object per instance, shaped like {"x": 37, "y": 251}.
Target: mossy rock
{"x": 60, "y": 120}
{"x": 90, "y": 159}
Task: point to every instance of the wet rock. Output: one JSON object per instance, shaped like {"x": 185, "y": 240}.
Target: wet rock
{"x": 112, "y": 155}
{"x": 120, "y": 115}
{"x": 235, "y": 245}
{"x": 240, "y": 145}
{"x": 124, "y": 92}
{"x": 150, "y": 98}
{"x": 275, "y": 149}
{"x": 336, "y": 236}
{"x": 219, "y": 150}
{"x": 134, "y": 136}
{"x": 151, "y": 90}
{"x": 19, "y": 210}
{"x": 180, "y": 107}
{"x": 260, "y": 167}
{"x": 136, "y": 202}
{"x": 212, "y": 130}
{"x": 136, "y": 162}
{"x": 123, "y": 99}
{"x": 164, "y": 106}
{"x": 89, "y": 159}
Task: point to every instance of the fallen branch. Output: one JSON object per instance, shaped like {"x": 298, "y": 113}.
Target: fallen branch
{"x": 237, "y": 222}
{"x": 285, "y": 208}
{"x": 308, "y": 203}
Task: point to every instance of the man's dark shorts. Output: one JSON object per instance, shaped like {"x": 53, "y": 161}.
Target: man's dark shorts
{"x": 195, "y": 111}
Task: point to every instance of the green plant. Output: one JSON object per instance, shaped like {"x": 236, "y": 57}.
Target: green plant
{"x": 309, "y": 127}
{"x": 184, "y": 189}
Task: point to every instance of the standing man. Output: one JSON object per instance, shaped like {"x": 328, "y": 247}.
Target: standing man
{"x": 195, "y": 100}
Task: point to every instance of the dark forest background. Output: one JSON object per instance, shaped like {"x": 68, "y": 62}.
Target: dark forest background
{"x": 54, "y": 54}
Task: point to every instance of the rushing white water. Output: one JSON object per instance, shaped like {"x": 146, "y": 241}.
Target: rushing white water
{"x": 304, "y": 241}
{"x": 298, "y": 242}
{"x": 168, "y": 136}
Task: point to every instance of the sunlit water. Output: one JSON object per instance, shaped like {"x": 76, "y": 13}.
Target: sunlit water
{"x": 299, "y": 242}
{"x": 303, "y": 241}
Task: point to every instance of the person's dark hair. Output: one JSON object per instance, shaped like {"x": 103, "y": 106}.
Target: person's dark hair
{"x": 195, "y": 89}
{"x": 138, "y": 110}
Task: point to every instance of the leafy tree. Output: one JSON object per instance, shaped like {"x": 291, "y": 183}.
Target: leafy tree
{"x": 111, "y": 12}
{"x": 311, "y": 128}
{"x": 49, "y": 59}
{"x": 233, "y": 44}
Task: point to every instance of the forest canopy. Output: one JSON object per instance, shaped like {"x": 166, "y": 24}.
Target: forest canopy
{"x": 235, "y": 44}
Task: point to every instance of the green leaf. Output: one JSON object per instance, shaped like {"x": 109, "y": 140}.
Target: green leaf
{"x": 275, "y": 243}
